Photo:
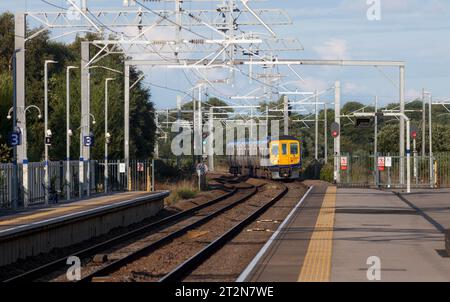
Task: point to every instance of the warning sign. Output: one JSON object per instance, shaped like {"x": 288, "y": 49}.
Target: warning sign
{"x": 344, "y": 163}
{"x": 381, "y": 163}
{"x": 388, "y": 162}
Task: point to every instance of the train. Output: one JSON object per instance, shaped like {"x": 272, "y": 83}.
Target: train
{"x": 273, "y": 158}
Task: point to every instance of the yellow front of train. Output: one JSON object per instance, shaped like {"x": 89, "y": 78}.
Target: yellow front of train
{"x": 285, "y": 158}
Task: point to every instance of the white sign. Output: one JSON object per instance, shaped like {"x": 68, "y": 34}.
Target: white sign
{"x": 121, "y": 168}
{"x": 388, "y": 162}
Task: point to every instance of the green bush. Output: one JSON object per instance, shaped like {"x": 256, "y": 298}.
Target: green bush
{"x": 327, "y": 173}
{"x": 186, "y": 193}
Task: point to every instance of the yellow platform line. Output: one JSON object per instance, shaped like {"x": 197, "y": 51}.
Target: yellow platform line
{"x": 54, "y": 212}
{"x": 317, "y": 264}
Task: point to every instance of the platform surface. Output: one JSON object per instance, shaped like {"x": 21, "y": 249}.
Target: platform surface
{"x": 9, "y": 223}
{"x": 284, "y": 257}
{"x": 371, "y": 223}
{"x": 360, "y": 235}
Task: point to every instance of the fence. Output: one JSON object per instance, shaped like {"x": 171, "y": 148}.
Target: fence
{"x": 24, "y": 185}
{"x": 384, "y": 171}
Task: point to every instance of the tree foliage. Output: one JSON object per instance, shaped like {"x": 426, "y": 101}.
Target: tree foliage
{"x": 39, "y": 49}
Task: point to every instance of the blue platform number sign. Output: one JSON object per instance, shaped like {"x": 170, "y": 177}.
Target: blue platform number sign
{"x": 15, "y": 139}
{"x": 89, "y": 141}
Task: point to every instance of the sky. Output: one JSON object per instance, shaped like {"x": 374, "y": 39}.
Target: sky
{"x": 414, "y": 31}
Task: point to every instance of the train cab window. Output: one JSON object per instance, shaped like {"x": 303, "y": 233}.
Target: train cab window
{"x": 274, "y": 151}
{"x": 284, "y": 149}
{"x": 294, "y": 149}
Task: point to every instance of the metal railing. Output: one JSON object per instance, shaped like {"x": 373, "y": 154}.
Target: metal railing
{"x": 31, "y": 190}
{"x": 6, "y": 186}
{"x": 363, "y": 170}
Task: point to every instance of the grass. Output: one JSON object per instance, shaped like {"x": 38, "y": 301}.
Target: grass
{"x": 181, "y": 190}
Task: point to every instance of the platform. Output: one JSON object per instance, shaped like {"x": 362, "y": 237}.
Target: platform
{"x": 358, "y": 235}
{"x": 39, "y": 230}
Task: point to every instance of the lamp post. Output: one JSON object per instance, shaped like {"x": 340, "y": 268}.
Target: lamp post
{"x": 107, "y": 135}
{"x": 69, "y": 132}
{"x": 47, "y": 131}
{"x": 86, "y": 131}
{"x": 26, "y": 109}
{"x": 430, "y": 137}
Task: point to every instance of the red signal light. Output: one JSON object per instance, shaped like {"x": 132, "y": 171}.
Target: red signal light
{"x": 414, "y": 134}
{"x": 335, "y": 134}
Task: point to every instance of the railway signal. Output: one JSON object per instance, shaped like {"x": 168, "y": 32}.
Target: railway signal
{"x": 414, "y": 132}
{"x": 335, "y": 130}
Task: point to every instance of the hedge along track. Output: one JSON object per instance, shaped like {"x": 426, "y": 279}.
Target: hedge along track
{"x": 60, "y": 264}
{"x": 244, "y": 192}
{"x": 153, "y": 261}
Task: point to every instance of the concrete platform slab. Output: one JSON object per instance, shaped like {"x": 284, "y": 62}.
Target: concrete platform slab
{"x": 40, "y": 230}
{"x": 282, "y": 258}
{"x": 372, "y": 223}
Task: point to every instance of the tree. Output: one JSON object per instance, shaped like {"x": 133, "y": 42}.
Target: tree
{"x": 39, "y": 49}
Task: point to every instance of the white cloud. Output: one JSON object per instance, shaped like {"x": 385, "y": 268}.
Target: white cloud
{"x": 353, "y": 88}
{"x": 333, "y": 49}
{"x": 311, "y": 84}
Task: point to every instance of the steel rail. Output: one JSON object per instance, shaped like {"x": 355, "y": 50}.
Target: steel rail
{"x": 114, "y": 266}
{"x": 61, "y": 262}
{"x": 192, "y": 263}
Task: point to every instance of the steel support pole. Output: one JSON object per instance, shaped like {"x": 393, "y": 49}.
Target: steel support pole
{"x": 19, "y": 54}
{"x": 424, "y": 123}
{"x": 105, "y": 184}
{"x": 46, "y": 134}
{"x": 286, "y": 115}
{"x": 85, "y": 119}
{"x": 200, "y": 120}
{"x": 198, "y": 138}
{"x": 19, "y": 119}
{"x": 325, "y": 134}
{"x": 316, "y": 126}
{"x": 430, "y": 137}
{"x": 14, "y": 190}
{"x": 375, "y": 145}
{"x": 402, "y": 124}
{"x": 153, "y": 175}
{"x": 408, "y": 157}
{"x": 211, "y": 140}
{"x": 415, "y": 173}
{"x": 178, "y": 120}
{"x": 68, "y": 133}
{"x": 127, "y": 123}
{"x": 337, "y": 140}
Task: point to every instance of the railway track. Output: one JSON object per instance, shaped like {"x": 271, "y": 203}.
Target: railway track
{"x": 184, "y": 267}
{"x": 192, "y": 263}
{"x": 42, "y": 271}
{"x": 241, "y": 196}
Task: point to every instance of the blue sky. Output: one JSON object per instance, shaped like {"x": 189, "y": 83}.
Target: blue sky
{"x": 415, "y": 31}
